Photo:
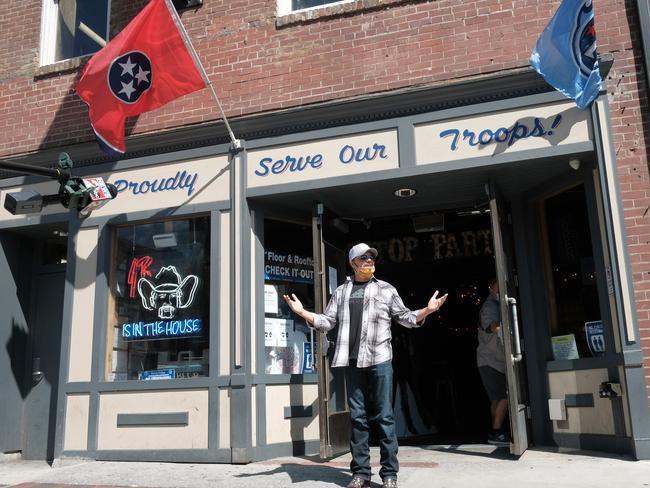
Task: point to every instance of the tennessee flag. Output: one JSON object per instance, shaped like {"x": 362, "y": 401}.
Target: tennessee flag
{"x": 565, "y": 54}
{"x": 144, "y": 67}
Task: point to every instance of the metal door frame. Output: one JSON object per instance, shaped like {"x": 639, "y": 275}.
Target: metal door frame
{"x": 331, "y": 443}
{"x": 510, "y": 324}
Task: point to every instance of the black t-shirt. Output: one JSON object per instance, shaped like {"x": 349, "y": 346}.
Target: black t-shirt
{"x": 356, "y": 316}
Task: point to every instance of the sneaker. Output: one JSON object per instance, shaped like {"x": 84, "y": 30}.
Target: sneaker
{"x": 390, "y": 483}
{"x": 359, "y": 482}
{"x": 499, "y": 439}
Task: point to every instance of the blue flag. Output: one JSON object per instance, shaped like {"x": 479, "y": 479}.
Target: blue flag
{"x": 565, "y": 54}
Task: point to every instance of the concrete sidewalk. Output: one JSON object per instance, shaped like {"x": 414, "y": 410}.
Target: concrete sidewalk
{"x": 435, "y": 466}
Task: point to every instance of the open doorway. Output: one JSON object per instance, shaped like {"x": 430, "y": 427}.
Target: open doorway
{"x": 438, "y": 396}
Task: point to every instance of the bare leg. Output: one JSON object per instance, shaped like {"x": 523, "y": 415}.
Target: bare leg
{"x": 493, "y": 409}
{"x": 499, "y": 409}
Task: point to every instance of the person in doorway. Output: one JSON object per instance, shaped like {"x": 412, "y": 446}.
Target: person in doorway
{"x": 363, "y": 308}
{"x": 491, "y": 362}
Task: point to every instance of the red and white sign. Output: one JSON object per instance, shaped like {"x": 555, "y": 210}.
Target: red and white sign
{"x": 100, "y": 194}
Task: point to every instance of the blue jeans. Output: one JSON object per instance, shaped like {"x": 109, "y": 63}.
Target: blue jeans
{"x": 370, "y": 394}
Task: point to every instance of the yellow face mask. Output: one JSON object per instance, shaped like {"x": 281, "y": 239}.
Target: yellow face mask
{"x": 366, "y": 271}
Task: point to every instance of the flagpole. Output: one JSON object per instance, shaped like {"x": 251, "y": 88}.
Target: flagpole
{"x": 188, "y": 43}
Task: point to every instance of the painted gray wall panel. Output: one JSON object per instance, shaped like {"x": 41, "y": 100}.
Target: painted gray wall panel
{"x": 406, "y": 144}
{"x": 585, "y": 363}
{"x": 594, "y": 442}
{"x": 100, "y": 318}
{"x": 35, "y": 220}
{"x": 14, "y": 337}
{"x": 153, "y": 419}
{"x": 260, "y": 392}
{"x": 66, "y": 329}
{"x": 213, "y": 418}
{"x": 285, "y": 379}
{"x": 161, "y": 456}
{"x": 258, "y": 329}
{"x": 296, "y": 411}
{"x": 297, "y": 448}
{"x": 176, "y": 384}
{"x": 156, "y": 214}
{"x": 241, "y": 392}
{"x": 579, "y": 400}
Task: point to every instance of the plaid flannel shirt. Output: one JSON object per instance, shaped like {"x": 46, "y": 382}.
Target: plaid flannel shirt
{"x": 381, "y": 303}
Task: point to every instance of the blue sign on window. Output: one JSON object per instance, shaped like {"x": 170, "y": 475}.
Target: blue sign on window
{"x": 157, "y": 374}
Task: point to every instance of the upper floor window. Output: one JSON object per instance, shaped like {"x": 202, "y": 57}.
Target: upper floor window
{"x": 73, "y": 28}
{"x": 286, "y": 7}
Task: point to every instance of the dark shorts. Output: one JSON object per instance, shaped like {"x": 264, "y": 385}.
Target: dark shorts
{"x": 494, "y": 383}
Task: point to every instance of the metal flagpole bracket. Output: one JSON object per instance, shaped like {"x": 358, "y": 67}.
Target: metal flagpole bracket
{"x": 237, "y": 146}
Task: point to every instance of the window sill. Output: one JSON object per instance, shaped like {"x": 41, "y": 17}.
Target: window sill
{"x": 61, "y": 66}
{"x": 332, "y": 11}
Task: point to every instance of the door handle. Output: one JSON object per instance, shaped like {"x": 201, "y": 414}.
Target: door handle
{"x": 512, "y": 303}
{"x": 37, "y": 374}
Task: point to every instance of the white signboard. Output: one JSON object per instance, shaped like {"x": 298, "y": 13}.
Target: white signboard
{"x": 564, "y": 347}
{"x": 325, "y": 158}
{"x": 270, "y": 300}
{"x": 276, "y": 332}
{"x": 192, "y": 181}
{"x": 503, "y": 132}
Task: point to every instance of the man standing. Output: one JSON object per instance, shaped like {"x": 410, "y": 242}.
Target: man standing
{"x": 363, "y": 308}
{"x": 491, "y": 362}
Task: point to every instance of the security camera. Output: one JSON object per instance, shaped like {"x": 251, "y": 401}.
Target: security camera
{"x": 24, "y": 202}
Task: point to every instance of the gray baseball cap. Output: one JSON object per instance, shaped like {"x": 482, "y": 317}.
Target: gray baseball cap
{"x": 361, "y": 249}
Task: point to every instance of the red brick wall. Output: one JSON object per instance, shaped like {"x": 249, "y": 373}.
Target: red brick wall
{"x": 257, "y": 66}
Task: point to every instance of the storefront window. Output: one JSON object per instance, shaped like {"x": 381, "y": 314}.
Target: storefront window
{"x": 159, "y": 310}
{"x": 288, "y": 268}
{"x": 576, "y": 326}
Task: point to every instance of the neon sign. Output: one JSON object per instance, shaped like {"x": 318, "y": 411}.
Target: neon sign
{"x": 169, "y": 292}
{"x": 142, "y": 264}
{"x": 161, "y": 329}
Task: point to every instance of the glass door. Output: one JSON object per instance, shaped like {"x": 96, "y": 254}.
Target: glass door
{"x": 515, "y": 374}
{"x": 329, "y": 273}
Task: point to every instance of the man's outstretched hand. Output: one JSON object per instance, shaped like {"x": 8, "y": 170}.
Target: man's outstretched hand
{"x": 294, "y": 304}
{"x": 435, "y": 303}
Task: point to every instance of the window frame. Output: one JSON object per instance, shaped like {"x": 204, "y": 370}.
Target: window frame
{"x": 284, "y": 7}
{"x": 49, "y": 29}
{"x": 112, "y": 300}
